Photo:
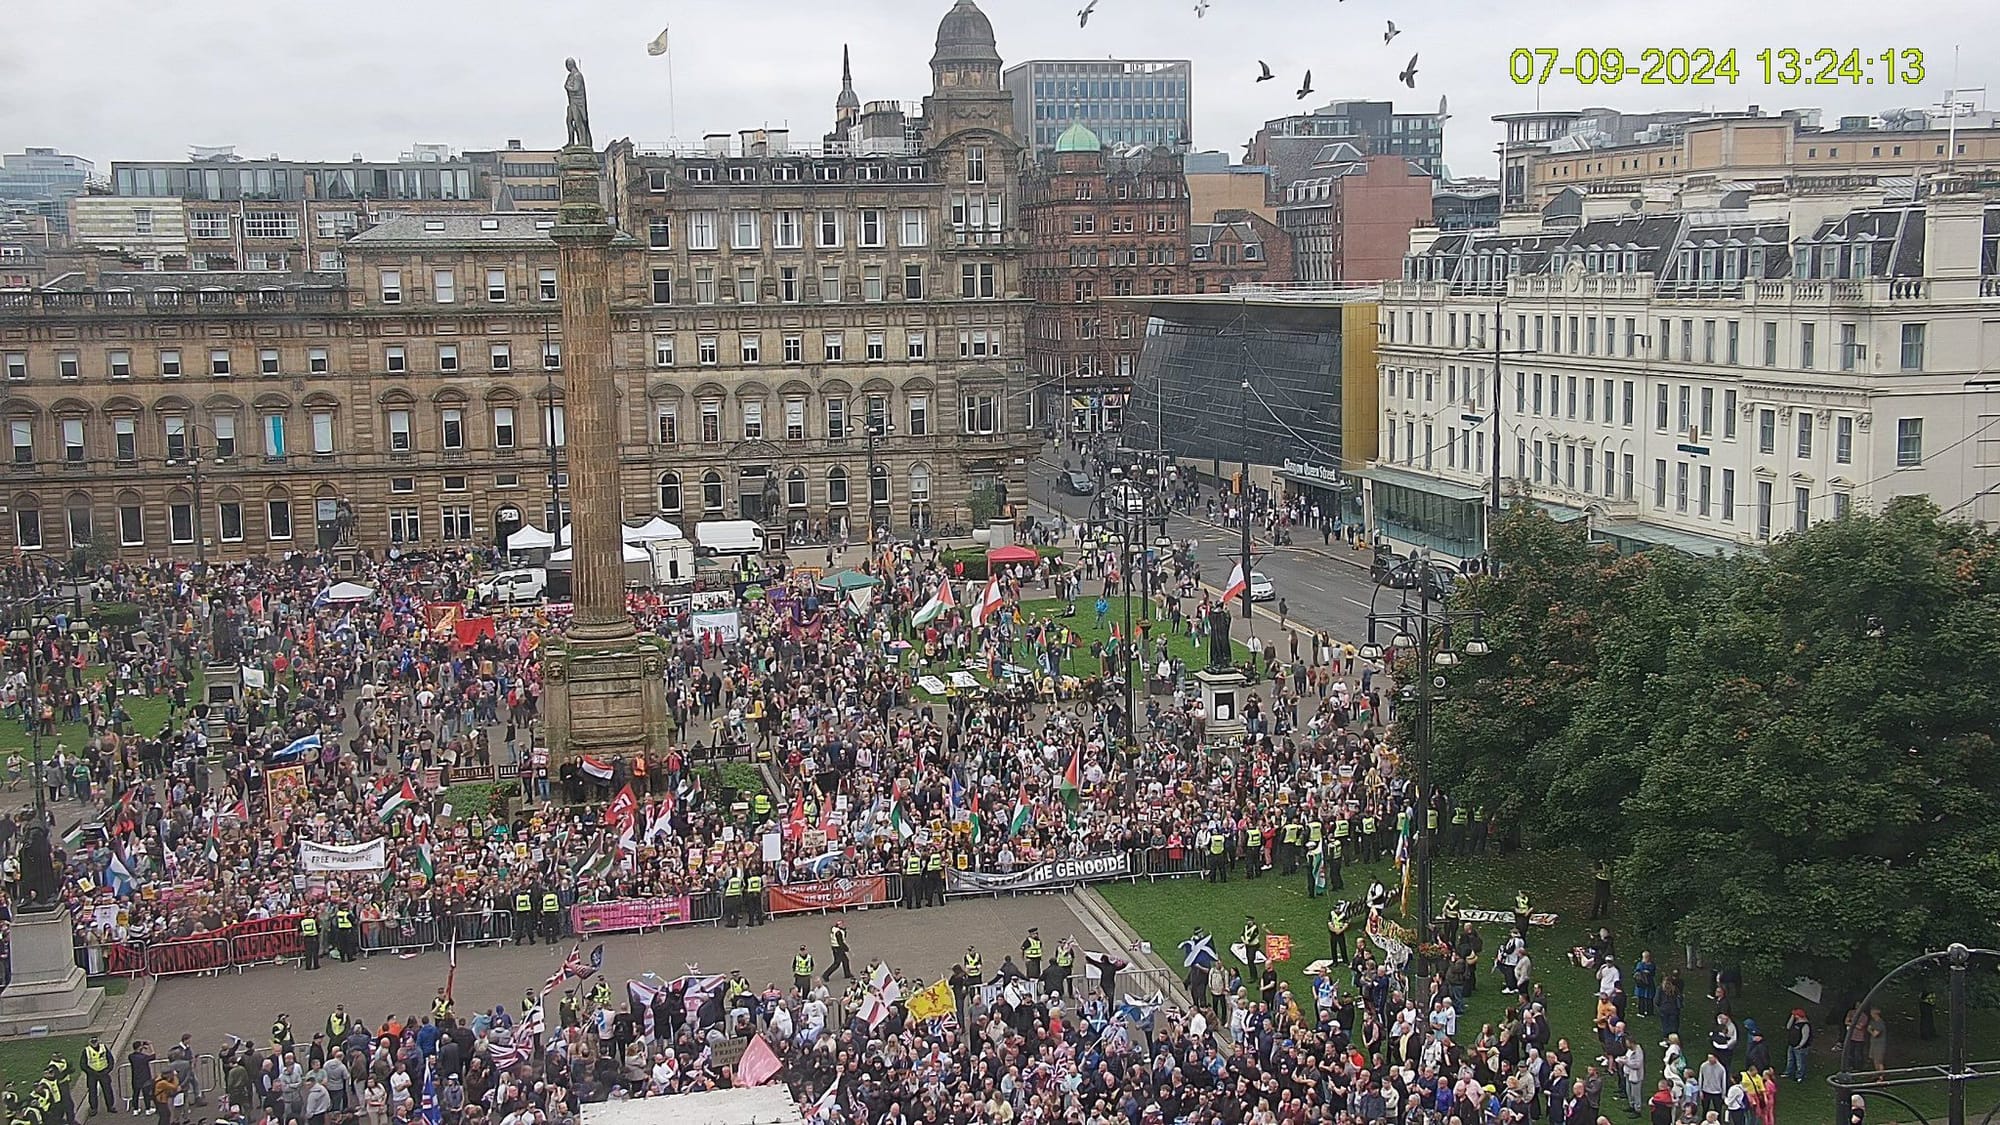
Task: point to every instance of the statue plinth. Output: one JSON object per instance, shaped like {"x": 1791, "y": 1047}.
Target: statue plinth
{"x": 1223, "y": 694}
{"x": 47, "y": 992}
{"x": 604, "y": 698}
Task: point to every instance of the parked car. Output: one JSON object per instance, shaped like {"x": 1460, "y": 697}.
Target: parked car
{"x": 1078, "y": 484}
{"x": 513, "y": 587}
{"x": 1261, "y": 589}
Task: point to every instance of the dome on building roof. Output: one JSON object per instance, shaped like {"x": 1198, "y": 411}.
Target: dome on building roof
{"x": 965, "y": 35}
{"x": 1078, "y": 138}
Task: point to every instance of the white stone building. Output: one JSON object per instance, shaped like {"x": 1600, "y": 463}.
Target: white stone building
{"x": 1705, "y": 372}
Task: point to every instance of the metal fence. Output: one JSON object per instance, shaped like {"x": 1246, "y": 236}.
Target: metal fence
{"x": 216, "y": 953}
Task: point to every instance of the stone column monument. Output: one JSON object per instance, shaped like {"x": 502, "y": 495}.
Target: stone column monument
{"x": 602, "y": 681}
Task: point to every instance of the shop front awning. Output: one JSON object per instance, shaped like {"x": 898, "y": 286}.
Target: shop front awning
{"x": 1417, "y": 482}
{"x": 1637, "y": 535}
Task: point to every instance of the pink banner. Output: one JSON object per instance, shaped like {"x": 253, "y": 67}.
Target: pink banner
{"x": 629, "y": 914}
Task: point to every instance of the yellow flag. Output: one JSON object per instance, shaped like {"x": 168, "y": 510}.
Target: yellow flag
{"x": 932, "y": 1002}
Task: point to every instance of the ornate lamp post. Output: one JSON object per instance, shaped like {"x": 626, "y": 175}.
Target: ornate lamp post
{"x": 1955, "y": 1074}
{"x": 1424, "y": 625}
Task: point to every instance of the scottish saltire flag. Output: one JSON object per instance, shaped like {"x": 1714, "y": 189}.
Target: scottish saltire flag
{"x": 297, "y": 749}
{"x": 118, "y": 875}
{"x": 1198, "y": 951}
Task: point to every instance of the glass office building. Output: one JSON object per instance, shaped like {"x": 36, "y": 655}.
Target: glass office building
{"x": 1124, "y": 101}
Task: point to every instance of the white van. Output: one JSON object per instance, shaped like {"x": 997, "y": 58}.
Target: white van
{"x": 513, "y": 587}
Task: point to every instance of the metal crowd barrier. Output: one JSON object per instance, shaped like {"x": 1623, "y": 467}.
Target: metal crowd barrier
{"x": 398, "y": 936}
{"x": 208, "y": 1075}
{"x": 1161, "y": 863}
{"x": 480, "y": 928}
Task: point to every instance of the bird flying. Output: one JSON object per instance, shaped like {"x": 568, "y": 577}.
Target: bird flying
{"x": 1266, "y": 76}
{"x": 1409, "y": 75}
{"x": 1444, "y": 112}
{"x": 1391, "y": 33}
{"x": 1306, "y": 87}
{"x": 1200, "y": 8}
{"x": 1083, "y": 14}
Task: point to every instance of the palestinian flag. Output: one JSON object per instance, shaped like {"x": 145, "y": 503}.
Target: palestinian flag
{"x": 1072, "y": 779}
{"x": 940, "y": 603}
{"x": 1023, "y": 814}
{"x": 212, "y": 850}
{"x": 978, "y": 820}
{"x": 598, "y": 864}
{"x": 899, "y": 819}
{"x": 424, "y": 861}
{"x": 396, "y": 801}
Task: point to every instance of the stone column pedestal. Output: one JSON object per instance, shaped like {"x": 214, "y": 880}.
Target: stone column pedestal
{"x": 47, "y": 990}
{"x": 1223, "y": 693}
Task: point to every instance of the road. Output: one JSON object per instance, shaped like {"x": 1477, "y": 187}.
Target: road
{"x": 920, "y": 943}
{"x": 1325, "y": 587}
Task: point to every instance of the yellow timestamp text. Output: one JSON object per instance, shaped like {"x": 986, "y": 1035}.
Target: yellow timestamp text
{"x": 1705, "y": 66}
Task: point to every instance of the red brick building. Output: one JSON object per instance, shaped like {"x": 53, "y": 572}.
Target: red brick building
{"x": 1349, "y": 216}
{"x": 1239, "y": 247}
{"x": 1101, "y": 226}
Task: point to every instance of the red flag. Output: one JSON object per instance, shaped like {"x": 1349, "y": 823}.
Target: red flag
{"x": 622, "y": 808}
{"x": 759, "y": 1063}
{"x": 795, "y": 825}
{"x": 1236, "y": 585}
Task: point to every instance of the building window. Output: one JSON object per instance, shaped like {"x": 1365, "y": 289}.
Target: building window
{"x": 745, "y": 230}
{"x": 552, "y": 355}
{"x": 1843, "y": 440}
{"x": 836, "y": 487}
{"x": 836, "y": 419}
{"x": 753, "y": 421}
{"x": 274, "y": 436}
{"x": 1767, "y": 431}
{"x": 502, "y": 356}
{"x": 706, "y": 352}
{"x": 72, "y": 431}
{"x": 447, "y": 358}
{"x": 913, "y": 345}
{"x": 444, "y": 287}
{"x": 750, "y": 346}
{"x": 1660, "y": 409}
{"x": 872, "y": 234}
{"x": 28, "y": 529}
{"x": 913, "y": 230}
{"x": 131, "y": 526}
{"x": 1909, "y": 442}
{"x": 229, "y": 521}
{"x": 663, "y": 285}
{"x": 451, "y": 426}
{"x": 913, "y": 281}
{"x": 1763, "y": 509}
{"x": 711, "y": 423}
{"x": 394, "y": 360}
{"x": 711, "y": 492}
{"x": 975, "y": 164}
{"x": 404, "y": 525}
{"x": 704, "y": 285}
{"x": 871, "y": 283}
{"x": 829, "y": 229}
{"x": 1807, "y": 331}
{"x": 975, "y": 344}
{"x": 795, "y": 489}
{"x": 788, "y": 233}
{"x": 1805, "y": 434}
{"x": 496, "y": 285}
{"x": 399, "y": 431}
{"x": 68, "y": 366}
{"x": 224, "y": 426}
{"x": 878, "y": 348}
{"x": 660, "y": 232}
{"x": 392, "y": 287}
{"x": 835, "y": 344}
{"x": 218, "y": 361}
{"x": 670, "y": 492}
{"x": 557, "y": 425}
{"x": 795, "y": 419}
{"x": 457, "y": 523}
{"x": 278, "y": 514}
{"x": 1680, "y": 486}
{"x": 316, "y": 361}
{"x": 174, "y": 428}
{"x": 322, "y": 433}
{"x": 975, "y": 280}
{"x": 746, "y": 285}
{"x": 982, "y": 413}
{"x": 1729, "y": 415}
{"x": 1770, "y": 343}
{"x": 545, "y": 282}
{"x": 503, "y": 427}
{"x": 1913, "y": 347}
{"x": 17, "y": 364}
{"x": 125, "y": 440}
{"x": 1842, "y": 504}
{"x": 702, "y": 231}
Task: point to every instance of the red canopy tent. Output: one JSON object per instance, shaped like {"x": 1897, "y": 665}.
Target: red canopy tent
{"x": 1014, "y": 554}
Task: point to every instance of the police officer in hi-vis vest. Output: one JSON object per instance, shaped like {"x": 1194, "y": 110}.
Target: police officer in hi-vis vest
{"x": 753, "y": 896}
{"x": 347, "y": 933}
{"x": 802, "y": 971}
{"x": 732, "y": 897}
{"x": 837, "y": 953}
{"x": 97, "y": 1064}
{"x": 308, "y": 940}
{"x": 1031, "y": 954}
{"x": 524, "y": 914}
{"x": 551, "y": 916}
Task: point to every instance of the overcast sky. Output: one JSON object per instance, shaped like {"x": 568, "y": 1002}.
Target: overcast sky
{"x": 146, "y": 79}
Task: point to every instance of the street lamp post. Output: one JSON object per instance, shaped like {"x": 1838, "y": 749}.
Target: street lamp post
{"x": 1425, "y": 626}
{"x": 27, "y": 635}
{"x": 1956, "y": 1073}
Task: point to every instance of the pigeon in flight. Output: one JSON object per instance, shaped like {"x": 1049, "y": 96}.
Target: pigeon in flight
{"x": 1444, "y": 111}
{"x": 1200, "y": 8}
{"x": 1266, "y": 68}
{"x": 1391, "y": 33}
{"x": 1083, "y": 14}
{"x": 1306, "y": 87}
{"x": 1409, "y": 75}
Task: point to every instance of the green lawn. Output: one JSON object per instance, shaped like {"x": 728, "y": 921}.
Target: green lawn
{"x": 23, "y": 1060}
{"x": 147, "y": 712}
{"x": 1165, "y": 912}
{"x": 1190, "y": 650}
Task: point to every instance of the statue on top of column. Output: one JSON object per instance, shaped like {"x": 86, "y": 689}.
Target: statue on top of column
{"x": 579, "y": 109}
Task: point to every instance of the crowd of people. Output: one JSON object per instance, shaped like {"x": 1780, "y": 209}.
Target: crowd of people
{"x": 366, "y": 708}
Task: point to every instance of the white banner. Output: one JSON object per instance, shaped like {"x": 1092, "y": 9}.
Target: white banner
{"x": 371, "y": 856}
